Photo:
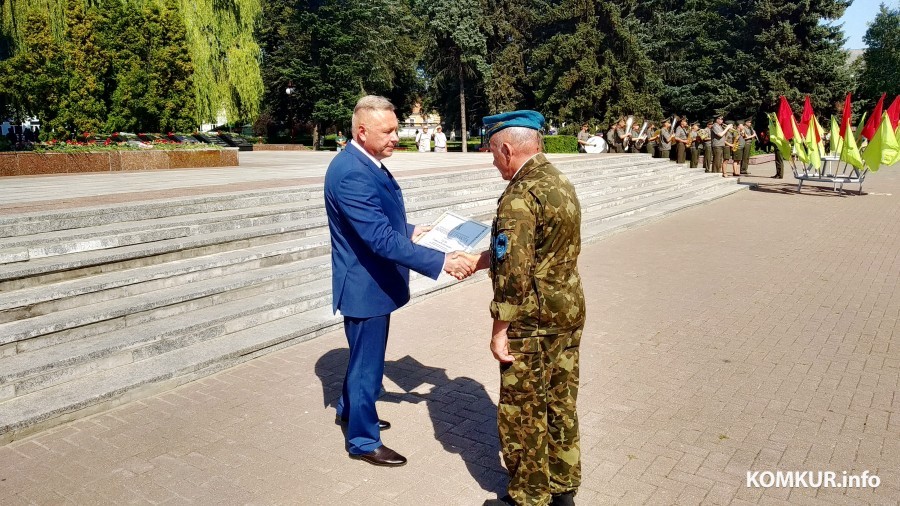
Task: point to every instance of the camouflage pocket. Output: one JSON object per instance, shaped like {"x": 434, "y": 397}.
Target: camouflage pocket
{"x": 520, "y": 380}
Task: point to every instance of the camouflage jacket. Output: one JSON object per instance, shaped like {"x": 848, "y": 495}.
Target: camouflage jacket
{"x": 535, "y": 242}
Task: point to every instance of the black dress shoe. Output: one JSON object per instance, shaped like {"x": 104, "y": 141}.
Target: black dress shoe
{"x": 382, "y": 456}
{"x": 565, "y": 499}
{"x": 382, "y": 424}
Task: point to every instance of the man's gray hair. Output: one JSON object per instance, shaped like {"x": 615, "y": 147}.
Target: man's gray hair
{"x": 526, "y": 138}
{"x": 367, "y": 104}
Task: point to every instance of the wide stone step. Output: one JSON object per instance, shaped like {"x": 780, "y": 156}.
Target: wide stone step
{"x": 28, "y": 302}
{"x": 162, "y": 303}
{"x": 44, "y": 367}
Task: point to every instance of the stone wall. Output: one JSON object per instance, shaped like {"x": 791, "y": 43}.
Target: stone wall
{"x": 31, "y": 164}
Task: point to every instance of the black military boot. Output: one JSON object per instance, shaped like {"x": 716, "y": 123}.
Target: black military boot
{"x": 564, "y": 499}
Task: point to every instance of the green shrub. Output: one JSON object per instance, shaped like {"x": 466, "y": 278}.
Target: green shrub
{"x": 560, "y": 144}
{"x": 5, "y": 145}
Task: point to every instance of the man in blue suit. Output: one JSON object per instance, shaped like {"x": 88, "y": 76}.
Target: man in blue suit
{"x": 372, "y": 252}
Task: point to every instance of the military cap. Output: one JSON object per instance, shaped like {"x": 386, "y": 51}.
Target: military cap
{"x": 525, "y": 118}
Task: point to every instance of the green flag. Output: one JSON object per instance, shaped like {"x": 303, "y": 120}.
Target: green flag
{"x": 776, "y": 135}
{"x": 821, "y": 136}
{"x": 883, "y": 146}
{"x": 859, "y": 129}
{"x": 850, "y": 151}
{"x": 897, "y": 136}
{"x": 812, "y": 147}
{"x": 835, "y": 136}
{"x": 889, "y": 144}
{"x": 799, "y": 143}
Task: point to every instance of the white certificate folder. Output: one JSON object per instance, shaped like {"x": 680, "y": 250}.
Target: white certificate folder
{"x": 452, "y": 232}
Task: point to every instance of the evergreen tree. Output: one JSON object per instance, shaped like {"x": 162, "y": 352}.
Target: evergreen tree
{"x": 152, "y": 72}
{"x": 333, "y": 52}
{"x": 795, "y": 52}
{"x": 589, "y": 63}
{"x": 880, "y": 64}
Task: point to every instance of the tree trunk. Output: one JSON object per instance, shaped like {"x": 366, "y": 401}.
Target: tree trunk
{"x": 462, "y": 110}
{"x": 315, "y": 136}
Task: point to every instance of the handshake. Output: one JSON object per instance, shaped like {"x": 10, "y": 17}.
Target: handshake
{"x": 461, "y": 265}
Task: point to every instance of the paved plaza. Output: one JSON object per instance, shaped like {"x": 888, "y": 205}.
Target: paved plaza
{"x": 758, "y": 332}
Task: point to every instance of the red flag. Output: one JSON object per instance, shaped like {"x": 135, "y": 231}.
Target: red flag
{"x": 893, "y": 112}
{"x": 874, "y": 120}
{"x": 807, "y": 115}
{"x": 845, "y": 118}
{"x": 785, "y": 117}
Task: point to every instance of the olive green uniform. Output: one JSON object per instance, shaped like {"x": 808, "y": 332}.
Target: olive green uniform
{"x": 706, "y": 146}
{"x": 694, "y": 137}
{"x": 718, "y": 145}
{"x": 535, "y": 242}
{"x": 681, "y": 135}
{"x": 665, "y": 143}
{"x": 748, "y": 147}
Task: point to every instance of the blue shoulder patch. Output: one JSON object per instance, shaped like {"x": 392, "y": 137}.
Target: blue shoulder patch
{"x": 501, "y": 244}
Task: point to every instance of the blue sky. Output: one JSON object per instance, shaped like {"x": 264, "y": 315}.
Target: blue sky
{"x": 857, "y": 18}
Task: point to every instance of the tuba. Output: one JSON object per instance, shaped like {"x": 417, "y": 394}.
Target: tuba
{"x": 628, "y": 123}
{"x": 642, "y": 136}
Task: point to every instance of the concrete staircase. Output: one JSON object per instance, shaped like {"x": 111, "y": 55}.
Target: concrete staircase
{"x": 100, "y": 306}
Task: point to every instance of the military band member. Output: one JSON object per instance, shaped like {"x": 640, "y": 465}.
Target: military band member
{"x": 539, "y": 311}
{"x": 611, "y": 138}
{"x": 665, "y": 139}
{"x": 652, "y": 134}
{"x": 681, "y": 140}
{"x": 633, "y": 138}
{"x": 779, "y": 164}
{"x": 694, "y": 144}
{"x": 734, "y": 139}
{"x": 705, "y": 136}
{"x": 583, "y": 136}
{"x": 720, "y": 144}
{"x": 749, "y": 138}
{"x": 621, "y": 133}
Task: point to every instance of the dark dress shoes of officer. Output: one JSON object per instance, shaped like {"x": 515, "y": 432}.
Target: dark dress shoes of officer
{"x": 382, "y": 456}
{"x": 500, "y": 501}
{"x": 382, "y": 425}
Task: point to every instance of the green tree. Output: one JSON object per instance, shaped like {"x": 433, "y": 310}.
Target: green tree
{"x": 220, "y": 35}
{"x": 82, "y": 107}
{"x": 880, "y": 64}
{"x": 456, "y": 49}
{"x": 330, "y": 53}
{"x": 35, "y": 78}
{"x": 589, "y": 63}
{"x": 152, "y": 76}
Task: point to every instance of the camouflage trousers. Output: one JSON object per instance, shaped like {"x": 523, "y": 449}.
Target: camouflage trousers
{"x": 537, "y": 418}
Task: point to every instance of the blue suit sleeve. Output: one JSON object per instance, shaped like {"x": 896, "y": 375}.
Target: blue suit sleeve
{"x": 363, "y": 210}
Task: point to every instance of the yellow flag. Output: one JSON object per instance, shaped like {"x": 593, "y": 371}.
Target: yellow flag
{"x": 835, "y": 137}
{"x": 812, "y": 147}
{"x": 850, "y": 151}
{"x": 883, "y": 146}
{"x": 776, "y": 135}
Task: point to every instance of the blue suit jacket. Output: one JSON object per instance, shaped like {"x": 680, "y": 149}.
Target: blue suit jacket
{"x": 371, "y": 250}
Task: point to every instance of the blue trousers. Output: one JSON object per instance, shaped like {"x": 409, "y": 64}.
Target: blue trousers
{"x": 367, "y": 338}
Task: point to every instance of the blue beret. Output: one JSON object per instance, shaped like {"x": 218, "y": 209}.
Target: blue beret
{"x": 528, "y": 119}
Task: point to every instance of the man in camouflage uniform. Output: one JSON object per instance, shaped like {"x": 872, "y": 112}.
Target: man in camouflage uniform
{"x": 538, "y": 312}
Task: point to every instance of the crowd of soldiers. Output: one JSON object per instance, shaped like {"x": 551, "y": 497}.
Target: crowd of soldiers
{"x": 718, "y": 143}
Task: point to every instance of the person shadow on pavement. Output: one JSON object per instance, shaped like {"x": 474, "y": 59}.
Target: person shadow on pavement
{"x": 463, "y": 416}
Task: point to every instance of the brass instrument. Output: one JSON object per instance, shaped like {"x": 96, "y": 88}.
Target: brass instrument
{"x": 628, "y": 123}
{"x": 642, "y": 136}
